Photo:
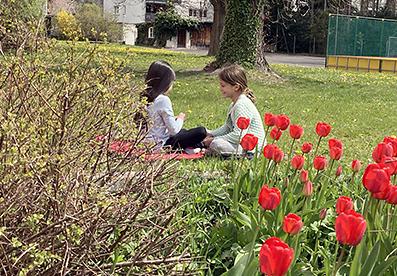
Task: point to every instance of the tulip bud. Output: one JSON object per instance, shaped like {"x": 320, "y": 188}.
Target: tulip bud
{"x": 323, "y": 129}
{"x": 306, "y": 147}
{"x": 282, "y": 121}
{"x": 275, "y": 133}
{"x": 304, "y": 176}
{"x": 356, "y": 165}
{"x": 270, "y": 119}
{"x": 323, "y": 213}
{"x": 297, "y": 162}
{"x": 307, "y": 189}
{"x": 338, "y": 171}
{"x": 286, "y": 182}
{"x": 243, "y": 123}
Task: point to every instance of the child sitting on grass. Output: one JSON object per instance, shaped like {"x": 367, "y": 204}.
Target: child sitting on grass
{"x": 225, "y": 139}
{"x": 165, "y": 128}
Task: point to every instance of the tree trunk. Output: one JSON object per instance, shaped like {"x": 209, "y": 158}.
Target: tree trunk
{"x": 364, "y": 7}
{"x": 242, "y": 40}
{"x": 391, "y": 7}
{"x": 261, "y": 61}
{"x": 217, "y": 26}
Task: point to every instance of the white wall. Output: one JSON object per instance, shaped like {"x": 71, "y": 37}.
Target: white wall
{"x": 172, "y": 43}
{"x": 130, "y": 33}
{"x": 130, "y": 11}
{"x": 183, "y": 9}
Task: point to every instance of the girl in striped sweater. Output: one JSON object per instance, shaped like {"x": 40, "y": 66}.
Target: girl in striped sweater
{"x": 225, "y": 139}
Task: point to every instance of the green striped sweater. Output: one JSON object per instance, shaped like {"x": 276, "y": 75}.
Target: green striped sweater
{"x": 243, "y": 107}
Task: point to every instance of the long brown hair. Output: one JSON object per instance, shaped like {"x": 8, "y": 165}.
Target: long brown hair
{"x": 235, "y": 75}
{"x": 159, "y": 78}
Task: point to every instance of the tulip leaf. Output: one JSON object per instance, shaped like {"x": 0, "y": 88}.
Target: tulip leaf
{"x": 356, "y": 263}
{"x": 382, "y": 267}
{"x": 243, "y": 219}
{"x": 371, "y": 260}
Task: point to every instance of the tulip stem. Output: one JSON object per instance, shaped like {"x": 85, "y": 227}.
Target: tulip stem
{"x": 264, "y": 139}
{"x": 338, "y": 264}
{"x": 288, "y": 157}
{"x": 318, "y": 144}
{"x": 334, "y": 271}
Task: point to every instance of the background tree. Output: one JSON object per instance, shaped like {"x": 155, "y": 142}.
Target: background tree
{"x": 243, "y": 40}
{"x": 217, "y": 26}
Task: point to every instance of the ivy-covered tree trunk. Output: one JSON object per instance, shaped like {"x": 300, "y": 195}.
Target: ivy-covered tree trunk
{"x": 242, "y": 40}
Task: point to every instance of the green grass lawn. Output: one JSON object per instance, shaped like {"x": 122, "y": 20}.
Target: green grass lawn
{"x": 360, "y": 106}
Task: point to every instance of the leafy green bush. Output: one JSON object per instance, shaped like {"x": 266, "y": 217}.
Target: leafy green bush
{"x": 66, "y": 26}
{"x": 168, "y": 22}
{"x": 97, "y": 25}
{"x": 20, "y": 22}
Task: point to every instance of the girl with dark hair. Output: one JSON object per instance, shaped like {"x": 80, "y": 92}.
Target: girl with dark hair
{"x": 166, "y": 129}
{"x": 233, "y": 85}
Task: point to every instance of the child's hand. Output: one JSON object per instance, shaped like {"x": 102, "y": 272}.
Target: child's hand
{"x": 208, "y": 140}
{"x": 181, "y": 116}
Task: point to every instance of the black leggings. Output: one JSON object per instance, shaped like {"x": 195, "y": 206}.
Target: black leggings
{"x": 190, "y": 138}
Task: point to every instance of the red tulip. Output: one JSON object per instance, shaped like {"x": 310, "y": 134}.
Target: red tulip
{"x": 336, "y": 153}
{"x": 393, "y": 142}
{"x": 320, "y": 162}
{"x": 282, "y": 121}
{"x": 297, "y": 162}
{"x": 270, "y": 119}
{"x": 356, "y": 165}
{"x": 275, "y": 133}
{"x": 268, "y": 151}
{"x": 304, "y": 176}
{"x": 278, "y": 155}
{"x": 275, "y": 257}
{"x": 296, "y": 131}
{"x": 391, "y": 165}
{"x": 307, "y": 188}
{"x": 335, "y": 143}
{"x": 323, "y": 129}
{"x": 243, "y": 123}
{"x": 376, "y": 178}
{"x": 381, "y": 195}
{"x": 292, "y": 224}
{"x": 338, "y": 170}
{"x": 350, "y": 227}
{"x": 392, "y": 195}
{"x": 381, "y": 151}
{"x": 269, "y": 198}
{"x": 307, "y": 147}
{"x": 344, "y": 204}
{"x": 249, "y": 142}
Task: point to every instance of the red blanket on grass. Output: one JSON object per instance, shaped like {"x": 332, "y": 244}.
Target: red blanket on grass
{"x": 125, "y": 147}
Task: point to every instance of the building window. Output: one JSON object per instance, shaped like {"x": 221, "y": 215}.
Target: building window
{"x": 116, "y": 10}
{"x": 201, "y": 13}
{"x": 205, "y": 13}
{"x": 190, "y": 12}
{"x": 194, "y": 12}
{"x": 150, "y": 33}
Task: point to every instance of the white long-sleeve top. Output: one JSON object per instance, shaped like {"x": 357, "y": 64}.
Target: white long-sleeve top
{"x": 163, "y": 122}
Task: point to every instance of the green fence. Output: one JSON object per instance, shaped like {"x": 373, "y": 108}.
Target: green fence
{"x": 361, "y": 36}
